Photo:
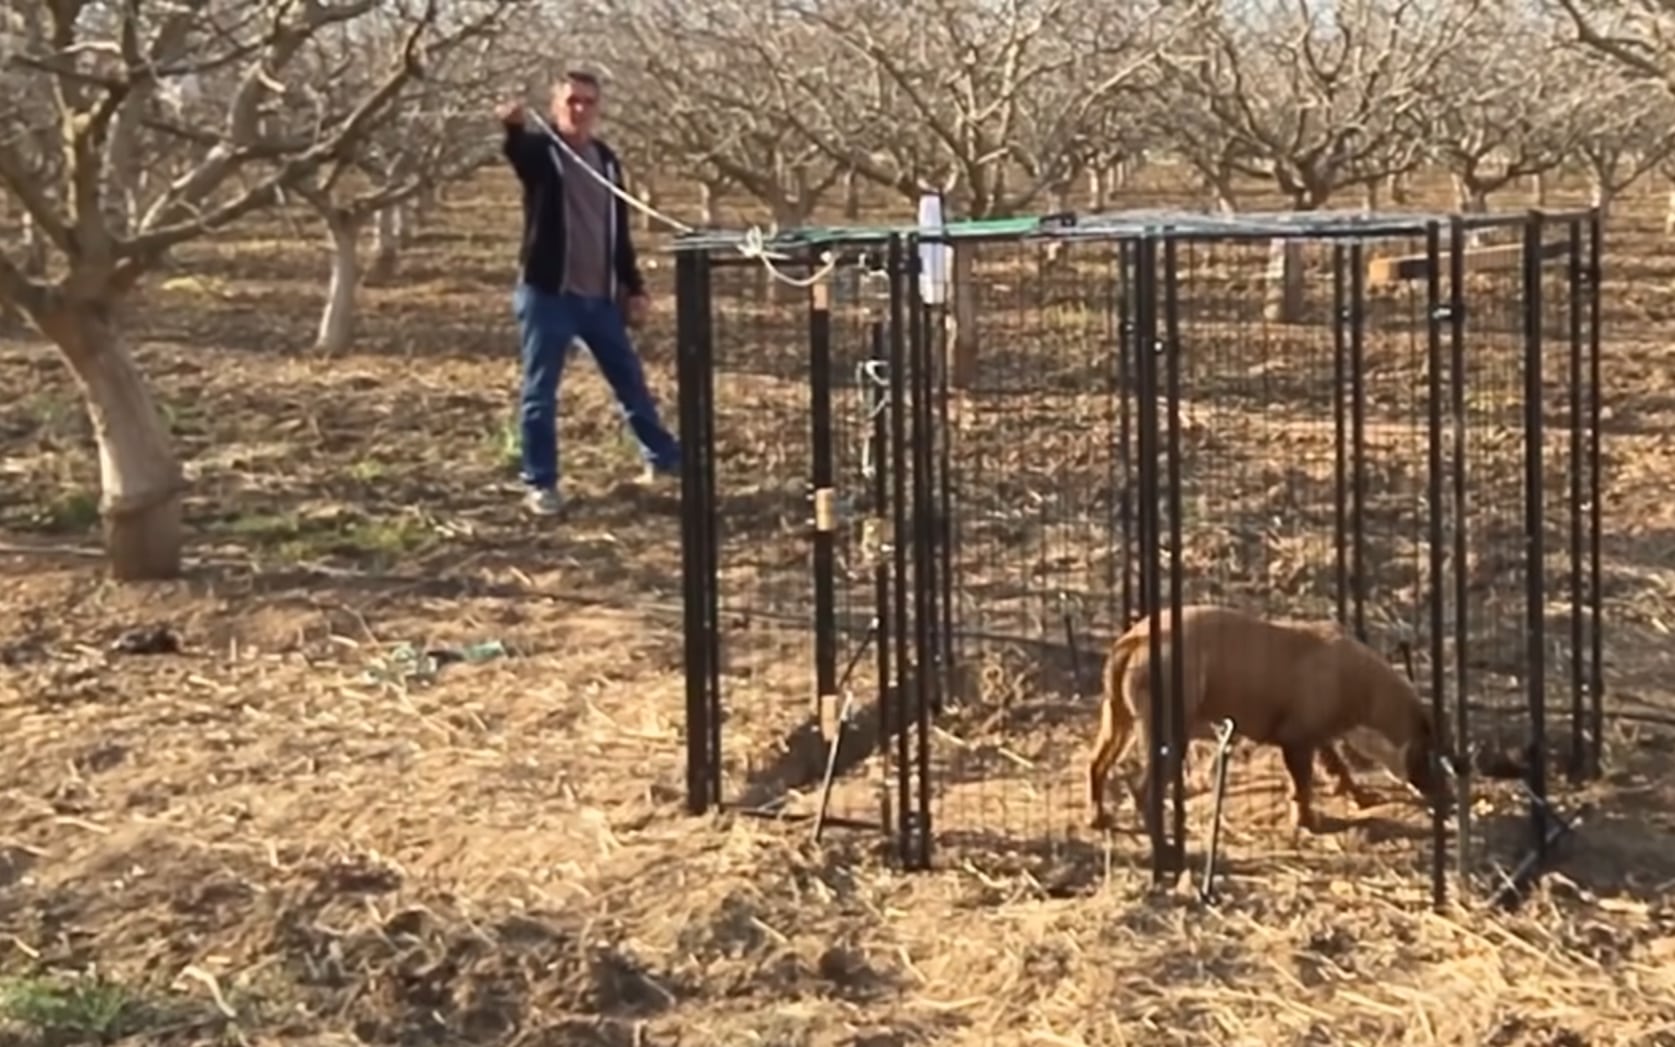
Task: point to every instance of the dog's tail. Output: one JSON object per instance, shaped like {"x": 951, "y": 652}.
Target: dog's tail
{"x": 1116, "y": 666}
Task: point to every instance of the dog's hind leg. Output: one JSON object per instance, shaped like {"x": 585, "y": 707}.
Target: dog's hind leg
{"x": 1332, "y": 760}
{"x": 1116, "y": 730}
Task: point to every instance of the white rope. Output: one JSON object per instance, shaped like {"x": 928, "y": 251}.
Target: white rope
{"x": 754, "y": 245}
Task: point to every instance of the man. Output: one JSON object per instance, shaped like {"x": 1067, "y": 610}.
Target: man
{"x": 578, "y": 277}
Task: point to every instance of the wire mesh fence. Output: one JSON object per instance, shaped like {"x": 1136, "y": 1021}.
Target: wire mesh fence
{"x": 928, "y": 492}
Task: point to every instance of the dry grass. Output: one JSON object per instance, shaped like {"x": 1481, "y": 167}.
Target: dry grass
{"x": 270, "y": 837}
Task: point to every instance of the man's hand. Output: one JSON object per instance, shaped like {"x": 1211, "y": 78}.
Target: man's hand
{"x": 636, "y": 309}
{"x": 510, "y": 113}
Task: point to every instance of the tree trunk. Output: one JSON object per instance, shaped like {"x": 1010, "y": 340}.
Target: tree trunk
{"x": 788, "y": 213}
{"x": 139, "y": 475}
{"x": 1602, "y": 190}
{"x": 964, "y": 292}
{"x": 851, "y": 196}
{"x": 1060, "y": 200}
{"x": 1602, "y": 163}
{"x": 1370, "y": 195}
{"x": 1219, "y": 183}
{"x": 803, "y": 200}
{"x": 1390, "y": 187}
{"x": 34, "y": 248}
{"x": 337, "y": 322}
{"x": 1472, "y": 197}
{"x": 707, "y": 198}
{"x": 1099, "y": 196}
{"x": 1462, "y": 191}
{"x": 407, "y": 223}
{"x": 387, "y": 240}
{"x": 425, "y": 206}
{"x": 1284, "y": 295}
{"x": 1602, "y": 197}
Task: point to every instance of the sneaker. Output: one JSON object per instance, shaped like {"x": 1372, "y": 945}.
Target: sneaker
{"x": 652, "y": 473}
{"x": 543, "y": 502}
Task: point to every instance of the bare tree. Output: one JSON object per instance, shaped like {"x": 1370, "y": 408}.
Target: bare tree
{"x": 27, "y": 123}
{"x": 88, "y": 60}
{"x": 1114, "y": 149}
{"x": 1314, "y": 96}
{"x": 1176, "y": 118}
{"x": 955, "y": 95}
{"x": 433, "y": 133}
{"x": 1636, "y": 35}
{"x": 682, "y": 90}
{"x": 1628, "y": 133}
{"x": 1509, "y": 106}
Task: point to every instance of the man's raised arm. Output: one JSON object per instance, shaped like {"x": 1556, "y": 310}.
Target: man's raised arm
{"x": 519, "y": 147}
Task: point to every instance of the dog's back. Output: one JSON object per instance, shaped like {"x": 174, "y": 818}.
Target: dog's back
{"x": 1298, "y": 685}
{"x": 1279, "y": 681}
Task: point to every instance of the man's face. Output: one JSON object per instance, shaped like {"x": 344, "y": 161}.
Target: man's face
{"x": 575, "y": 107}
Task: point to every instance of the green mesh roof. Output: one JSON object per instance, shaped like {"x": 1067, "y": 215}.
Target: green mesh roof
{"x": 1118, "y": 225}
{"x": 817, "y": 236}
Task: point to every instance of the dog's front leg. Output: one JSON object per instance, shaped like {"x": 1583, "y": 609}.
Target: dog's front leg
{"x": 1299, "y": 764}
{"x": 1335, "y": 766}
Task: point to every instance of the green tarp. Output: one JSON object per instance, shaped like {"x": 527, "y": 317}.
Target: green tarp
{"x": 790, "y": 239}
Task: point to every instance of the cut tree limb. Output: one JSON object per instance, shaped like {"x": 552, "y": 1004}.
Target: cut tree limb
{"x": 1403, "y": 268}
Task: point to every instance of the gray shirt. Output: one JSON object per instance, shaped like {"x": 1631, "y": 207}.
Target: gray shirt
{"x": 588, "y": 213}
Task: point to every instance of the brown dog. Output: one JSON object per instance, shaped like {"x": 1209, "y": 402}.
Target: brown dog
{"x": 1295, "y": 685}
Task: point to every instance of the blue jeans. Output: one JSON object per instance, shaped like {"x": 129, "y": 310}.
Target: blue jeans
{"x": 547, "y": 323}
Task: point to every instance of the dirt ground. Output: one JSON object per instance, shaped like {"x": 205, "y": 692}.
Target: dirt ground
{"x": 298, "y": 829}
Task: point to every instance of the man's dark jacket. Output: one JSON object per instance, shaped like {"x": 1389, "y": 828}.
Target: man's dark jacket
{"x": 536, "y": 155}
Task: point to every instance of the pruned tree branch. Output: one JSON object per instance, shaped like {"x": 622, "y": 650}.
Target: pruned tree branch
{"x": 1635, "y": 34}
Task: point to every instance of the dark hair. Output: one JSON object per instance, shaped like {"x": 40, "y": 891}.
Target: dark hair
{"x": 583, "y": 77}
